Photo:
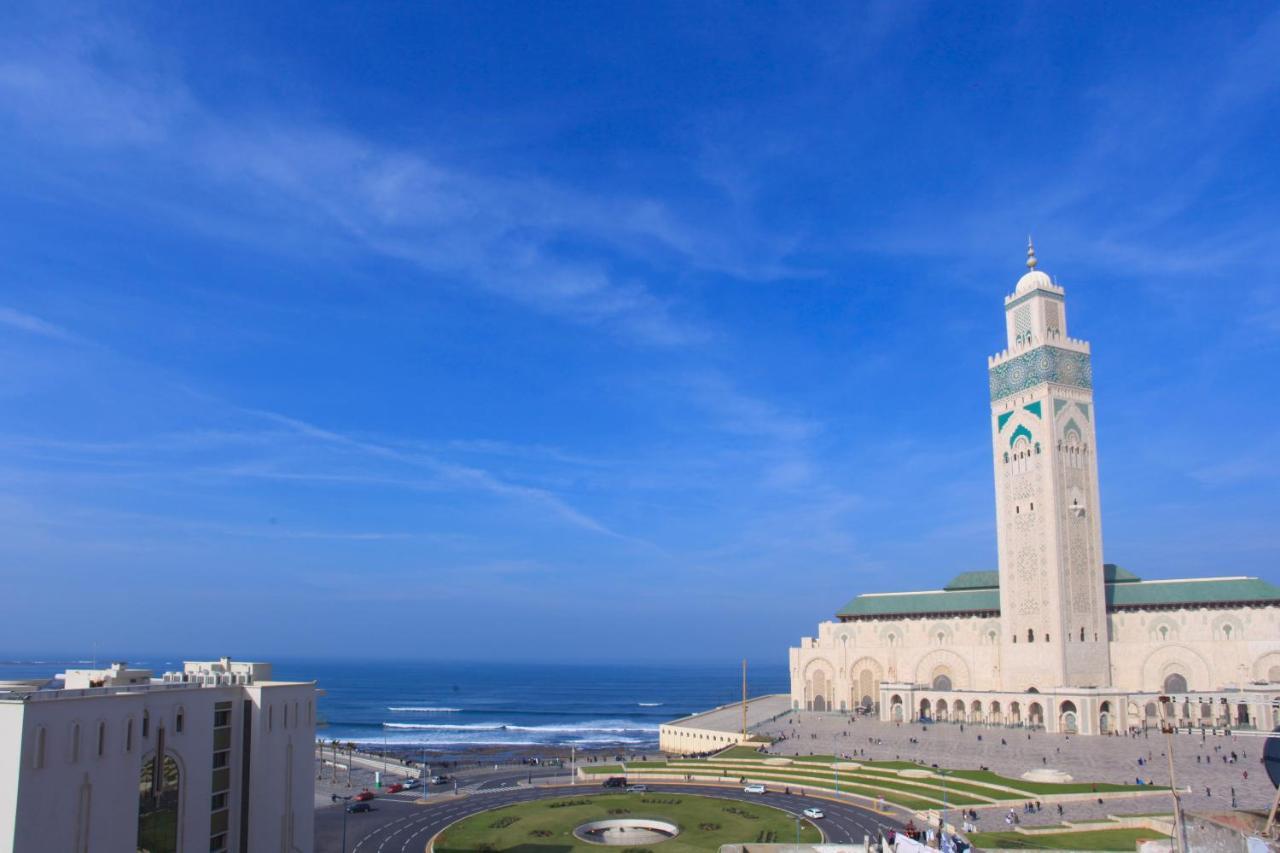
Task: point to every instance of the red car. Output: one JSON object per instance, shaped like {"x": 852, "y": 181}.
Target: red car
{"x": 391, "y": 789}
{"x": 364, "y": 796}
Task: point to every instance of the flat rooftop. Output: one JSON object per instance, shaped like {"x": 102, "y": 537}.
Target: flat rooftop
{"x": 728, "y": 718}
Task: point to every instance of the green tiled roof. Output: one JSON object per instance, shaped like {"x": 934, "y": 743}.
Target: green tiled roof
{"x": 1111, "y": 573}
{"x": 921, "y": 603}
{"x": 1197, "y": 591}
{"x": 969, "y": 594}
{"x": 974, "y": 580}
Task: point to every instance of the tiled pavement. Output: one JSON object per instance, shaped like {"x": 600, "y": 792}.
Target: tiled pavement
{"x": 1011, "y": 752}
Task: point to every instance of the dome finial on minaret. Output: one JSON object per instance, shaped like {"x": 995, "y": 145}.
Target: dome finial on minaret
{"x": 1031, "y": 254}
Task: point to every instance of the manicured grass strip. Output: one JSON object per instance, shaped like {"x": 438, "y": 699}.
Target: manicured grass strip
{"x": 916, "y": 796}
{"x": 806, "y": 774}
{"x": 1107, "y": 839}
{"x": 866, "y": 775}
{"x": 705, "y": 823}
{"x": 1050, "y": 787}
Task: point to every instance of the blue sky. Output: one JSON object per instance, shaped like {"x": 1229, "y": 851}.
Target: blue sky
{"x": 578, "y": 331}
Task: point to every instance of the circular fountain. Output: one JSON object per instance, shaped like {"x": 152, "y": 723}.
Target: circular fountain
{"x": 626, "y": 832}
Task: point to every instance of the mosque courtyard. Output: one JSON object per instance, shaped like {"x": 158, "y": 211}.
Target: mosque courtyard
{"x": 1217, "y": 767}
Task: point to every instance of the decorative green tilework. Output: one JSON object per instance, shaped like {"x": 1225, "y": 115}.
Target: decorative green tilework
{"x": 1020, "y": 431}
{"x": 1033, "y": 408}
{"x": 1073, "y": 426}
{"x": 1058, "y": 406}
{"x": 1084, "y": 409}
{"x": 1001, "y": 420}
{"x": 1042, "y": 364}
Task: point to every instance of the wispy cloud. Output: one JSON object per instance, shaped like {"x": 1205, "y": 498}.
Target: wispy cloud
{"x": 14, "y": 319}
{"x": 292, "y": 184}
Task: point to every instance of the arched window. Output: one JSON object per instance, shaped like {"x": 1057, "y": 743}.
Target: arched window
{"x": 1082, "y": 633}
{"x": 942, "y": 681}
{"x": 37, "y": 754}
{"x": 1031, "y": 635}
{"x": 159, "y": 786}
{"x": 1164, "y": 632}
{"x": 178, "y": 719}
{"x": 1175, "y": 682}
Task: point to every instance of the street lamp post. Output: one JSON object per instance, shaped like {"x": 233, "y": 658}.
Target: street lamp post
{"x": 1180, "y": 826}
{"x": 345, "y": 801}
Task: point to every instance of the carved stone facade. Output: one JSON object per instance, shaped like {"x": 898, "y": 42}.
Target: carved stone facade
{"x": 1054, "y": 638}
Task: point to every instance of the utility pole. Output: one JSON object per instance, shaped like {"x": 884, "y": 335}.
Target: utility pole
{"x": 1180, "y": 824}
{"x": 744, "y": 700}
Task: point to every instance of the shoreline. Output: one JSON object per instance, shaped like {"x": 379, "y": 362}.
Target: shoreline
{"x": 477, "y": 754}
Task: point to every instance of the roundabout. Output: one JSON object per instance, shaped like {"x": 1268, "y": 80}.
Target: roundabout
{"x": 404, "y": 826}
{"x": 678, "y": 822}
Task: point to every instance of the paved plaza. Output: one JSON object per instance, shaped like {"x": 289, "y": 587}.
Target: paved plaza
{"x": 1011, "y": 752}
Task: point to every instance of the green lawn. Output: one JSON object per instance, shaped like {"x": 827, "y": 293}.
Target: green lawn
{"x": 1048, "y": 787}
{"x": 1101, "y": 839}
{"x": 705, "y": 823}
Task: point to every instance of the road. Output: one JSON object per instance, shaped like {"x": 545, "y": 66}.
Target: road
{"x": 399, "y": 825}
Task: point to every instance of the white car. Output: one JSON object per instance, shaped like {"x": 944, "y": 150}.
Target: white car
{"x": 813, "y": 813}
{"x": 754, "y": 789}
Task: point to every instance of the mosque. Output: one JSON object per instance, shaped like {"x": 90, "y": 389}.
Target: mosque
{"x": 1056, "y": 638}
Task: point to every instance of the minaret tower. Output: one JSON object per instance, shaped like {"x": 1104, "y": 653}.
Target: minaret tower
{"x": 1053, "y": 609}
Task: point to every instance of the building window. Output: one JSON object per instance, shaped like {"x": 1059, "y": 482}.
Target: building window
{"x": 221, "y": 718}
{"x": 102, "y": 738}
{"x": 178, "y": 720}
{"x": 1082, "y": 633}
{"x": 220, "y": 759}
{"x": 128, "y": 736}
{"x": 219, "y": 802}
{"x": 146, "y": 724}
{"x": 1031, "y": 635}
{"x": 37, "y": 757}
{"x": 158, "y": 798}
{"x": 271, "y": 716}
{"x": 74, "y": 751}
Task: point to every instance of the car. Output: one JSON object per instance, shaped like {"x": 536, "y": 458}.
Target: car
{"x": 755, "y": 788}
{"x": 637, "y": 789}
{"x": 364, "y": 796}
{"x": 411, "y": 783}
{"x": 615, "y": 782}
{"x": 355, "y": 808}
{"x": 439, "y": 780}
{"x": 814, "y": 813}
{"x": 395, "y": 789}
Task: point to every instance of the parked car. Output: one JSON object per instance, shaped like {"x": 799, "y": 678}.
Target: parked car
{"x": 354, "y": 808}
{"x": 637, "y": 789}
{"x": 615, "y": 782}
{"x": 395, "y": 789}
{"x": 439, "y": 780}
{"x": 364, "y": 796}
{"x": 814, "y": 813}
{"x": 755, "y": 788}
{"x": 411, "y": 783}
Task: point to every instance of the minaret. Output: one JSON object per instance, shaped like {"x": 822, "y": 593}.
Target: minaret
{"x": 1053, "y": 610}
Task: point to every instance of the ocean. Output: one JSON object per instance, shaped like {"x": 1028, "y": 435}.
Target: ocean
{"x": 455, "y": 707}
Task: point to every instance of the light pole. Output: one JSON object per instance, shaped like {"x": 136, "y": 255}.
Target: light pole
{"x": 1180, "y": 841}
{"x": 345, "y": 802}
{"x": 942, "y": 815}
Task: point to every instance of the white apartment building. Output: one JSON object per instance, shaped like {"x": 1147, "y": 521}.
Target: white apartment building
{"x": 217, "y": 757}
